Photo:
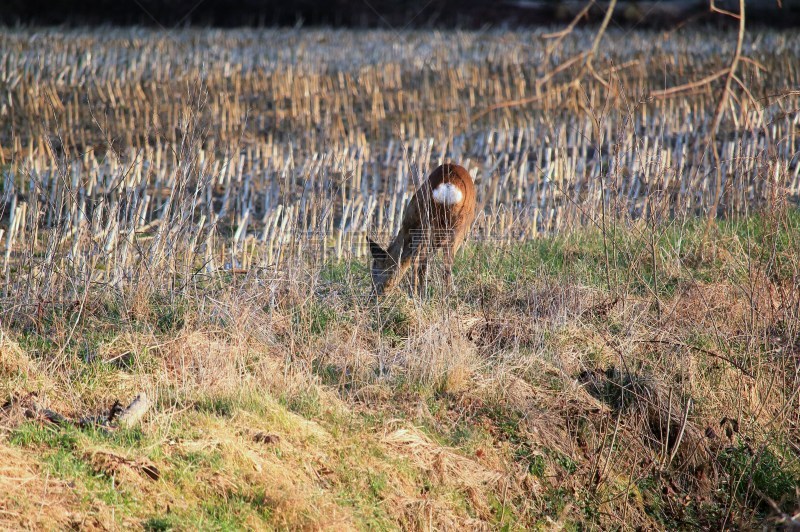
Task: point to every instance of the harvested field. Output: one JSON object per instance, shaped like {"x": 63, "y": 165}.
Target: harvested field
{"x": 292, "y": 141}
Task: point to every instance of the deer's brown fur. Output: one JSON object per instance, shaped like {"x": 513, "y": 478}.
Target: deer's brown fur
{"x": 438, "y": 216}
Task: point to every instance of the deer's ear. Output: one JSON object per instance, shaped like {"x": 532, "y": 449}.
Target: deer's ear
{"x": 376, "y": 251}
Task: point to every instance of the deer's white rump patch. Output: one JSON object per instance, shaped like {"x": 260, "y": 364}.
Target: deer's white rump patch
{"x": 448, "y": 194}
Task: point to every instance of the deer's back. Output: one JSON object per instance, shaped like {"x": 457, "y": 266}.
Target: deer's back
{"x": 450, "y": 197}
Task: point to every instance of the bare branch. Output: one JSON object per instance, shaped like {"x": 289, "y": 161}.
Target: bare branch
{"x": 720, "y": 109}
{"x": 566, "y": 31}
{"x": 559, "y": 35}
{"x": 555, "y": 90}
{"x": 715, "y": 9}
{"x": 585, "y": 57}
{"x": 672, "y": 91}
{"x": 731, "y": 71}
{"x": 599, "y": 36}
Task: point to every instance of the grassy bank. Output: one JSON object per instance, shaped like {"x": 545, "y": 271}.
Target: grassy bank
{"x": 647, "y": 378}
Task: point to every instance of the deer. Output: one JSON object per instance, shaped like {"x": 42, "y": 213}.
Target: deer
{"x": 438, "y": 216}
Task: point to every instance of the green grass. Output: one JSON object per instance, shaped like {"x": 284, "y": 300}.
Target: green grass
{"x": 168, "y": 315}
{"x": 581, "y": 256}
{"x": 756, "y": 474}
{"x": 31, "y": 434}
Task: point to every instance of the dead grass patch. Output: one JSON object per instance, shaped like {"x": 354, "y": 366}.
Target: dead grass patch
{"x": 32, "y": 500}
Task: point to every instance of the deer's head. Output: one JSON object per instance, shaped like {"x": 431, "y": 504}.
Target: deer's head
{"x": 384, "y": 269}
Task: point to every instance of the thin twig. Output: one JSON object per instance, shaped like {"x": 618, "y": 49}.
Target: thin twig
{"x": 723, "y": 100}
{"x": 681, "y": 431}
{"x": 561, "y": 87}
{"x": 699, "y": 350}
{"x": 672, "y": 91}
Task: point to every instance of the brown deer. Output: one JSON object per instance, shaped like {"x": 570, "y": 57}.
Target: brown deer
{"x": 438, "y": 216}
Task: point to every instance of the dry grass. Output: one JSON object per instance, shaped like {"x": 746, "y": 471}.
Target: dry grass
{"x": 531, "y": 402}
